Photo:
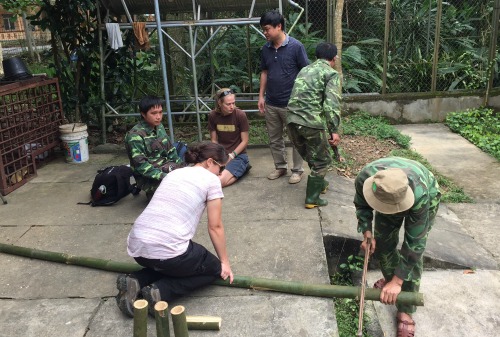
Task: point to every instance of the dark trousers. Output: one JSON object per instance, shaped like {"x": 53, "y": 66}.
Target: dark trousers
{"x": 180, "y": 275}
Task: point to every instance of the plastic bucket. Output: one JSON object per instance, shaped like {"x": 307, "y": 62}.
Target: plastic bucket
{"x": 75, "y": 142}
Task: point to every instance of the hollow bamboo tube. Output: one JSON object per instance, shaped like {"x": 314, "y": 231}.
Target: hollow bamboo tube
{"x": 289, "y": 287}
{"x": 179, "y": 321}
{"x": 161, "y": 318}
{"x": 140, "y": 318}
{"x": 320, "y": 290}
{"x": 120, "y": 267}
{"x": 203, "y": 322}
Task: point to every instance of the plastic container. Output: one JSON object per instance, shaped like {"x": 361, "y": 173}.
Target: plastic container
{"x": 75, "y": 142}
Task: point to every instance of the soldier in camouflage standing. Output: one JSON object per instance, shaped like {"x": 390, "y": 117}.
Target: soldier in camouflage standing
{"x": 399, "y": 190}
{"x": 313, "y": 118}
{"x": 151, "y": 153}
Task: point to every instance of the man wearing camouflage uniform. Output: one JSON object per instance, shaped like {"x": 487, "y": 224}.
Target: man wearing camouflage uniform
{"x": 149, "y": 149}
{"x": 313, "y": 118}
{"x": 399, "y": 190}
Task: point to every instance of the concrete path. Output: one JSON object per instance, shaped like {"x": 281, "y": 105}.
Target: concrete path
{"x": 269, "y": 235}
{"x": 453, "y": 156}
{"x": 268, "y": 231}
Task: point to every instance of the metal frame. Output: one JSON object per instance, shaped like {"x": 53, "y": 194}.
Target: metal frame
{"x": 107, "y": 111}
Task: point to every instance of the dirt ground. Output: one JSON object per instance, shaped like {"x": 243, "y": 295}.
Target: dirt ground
{"x": 360, "y": 150}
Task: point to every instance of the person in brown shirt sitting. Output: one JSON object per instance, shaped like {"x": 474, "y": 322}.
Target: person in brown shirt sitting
{"x": 228, "y": 126}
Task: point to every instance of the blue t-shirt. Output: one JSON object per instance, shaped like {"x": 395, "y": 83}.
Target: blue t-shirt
{"x": 282, "y": 65}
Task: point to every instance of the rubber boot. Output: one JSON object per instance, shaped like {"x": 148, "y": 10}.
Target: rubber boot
{"x": 314, "y": 187}
{"x": 325, "y": 186}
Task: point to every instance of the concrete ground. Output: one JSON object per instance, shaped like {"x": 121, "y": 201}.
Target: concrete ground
{"x": 269, "y": 234}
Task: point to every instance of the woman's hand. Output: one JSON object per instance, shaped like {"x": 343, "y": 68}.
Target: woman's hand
{"x": 226, "y": 272}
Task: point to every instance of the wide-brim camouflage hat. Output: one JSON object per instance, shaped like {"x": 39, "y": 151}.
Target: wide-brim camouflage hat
{"x": 388, "y": 191}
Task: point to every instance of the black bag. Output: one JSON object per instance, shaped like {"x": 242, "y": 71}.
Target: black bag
{"x": 111, "y": 184}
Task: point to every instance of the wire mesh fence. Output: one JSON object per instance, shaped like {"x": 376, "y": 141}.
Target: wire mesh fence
{"x": 396, "y": 47}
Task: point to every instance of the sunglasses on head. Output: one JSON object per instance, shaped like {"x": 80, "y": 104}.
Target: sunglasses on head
{"x": 225, "y": 93}
{"x": 221, "y": 167}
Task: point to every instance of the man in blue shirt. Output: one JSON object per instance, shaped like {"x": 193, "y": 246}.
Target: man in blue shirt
{"x": 282, "y": 57}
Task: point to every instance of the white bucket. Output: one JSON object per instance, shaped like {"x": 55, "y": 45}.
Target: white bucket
{"x": 75, "y": 142}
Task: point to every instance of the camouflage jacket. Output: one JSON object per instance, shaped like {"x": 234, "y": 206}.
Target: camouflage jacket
{"x": 148, "y": 150}
{"x": 315, "y": 99}
{"x": 417, "y": 218}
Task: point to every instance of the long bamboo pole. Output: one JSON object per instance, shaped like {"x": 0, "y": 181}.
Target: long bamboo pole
{"x": 319, "y": 290}
{"x": 179, "y": 321}
{"x": 140, "y": 318}
{"x": 108, "y": 265}
{"x": 289, "y": 287}
{"x": 161, "y": 318}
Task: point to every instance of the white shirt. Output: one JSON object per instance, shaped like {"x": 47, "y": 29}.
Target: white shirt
{"x": 169, "y": 222}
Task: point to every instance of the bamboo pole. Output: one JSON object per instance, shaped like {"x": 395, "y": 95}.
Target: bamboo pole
{"x": 203, "y": 322}
{"x": 289, "y": 287}
{"x": 161, "y": 318}
{"x": 320, "y": 290}
{"x": 179, "y": 321}
{"x": 140, "y": 318}
{"x": 108, "y": 265}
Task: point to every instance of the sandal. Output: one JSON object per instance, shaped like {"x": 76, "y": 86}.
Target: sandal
{"x": 405, "y": 328}
{"x": 380, "y": 283}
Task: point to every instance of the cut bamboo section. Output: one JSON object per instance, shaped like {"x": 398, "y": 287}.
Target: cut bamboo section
{"x": 179, "y": 321}
{"x": 140, "y": 318}
{"x": 161, "y": 318}
{"x": 289, "y": 287}
{"x": 203, "y": 322}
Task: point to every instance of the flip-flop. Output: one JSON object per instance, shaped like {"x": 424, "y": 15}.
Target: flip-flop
{"x": 405, "y": 328}
{"x": 380, "y": 283}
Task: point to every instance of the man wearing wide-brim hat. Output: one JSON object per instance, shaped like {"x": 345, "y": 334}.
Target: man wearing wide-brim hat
{"x": 400, "y": 191}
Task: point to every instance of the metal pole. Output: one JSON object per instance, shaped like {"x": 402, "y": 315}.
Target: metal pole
{"x": 330, "y": 31}
{"x": 493, "y": 49}
{"x": 29, "y": 37}
{"x": 101, "y": 76}
{"x": 386, "y": 44}
{"x": 164, "y": 71}
{"x": 435, "y": 60}
{"x": 195, "y": 80}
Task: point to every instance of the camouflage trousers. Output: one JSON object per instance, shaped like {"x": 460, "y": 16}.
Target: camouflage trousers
{"x": 150, "y": 185}
{"x": 387, "y": 227}
{"x": 313, "y": 146}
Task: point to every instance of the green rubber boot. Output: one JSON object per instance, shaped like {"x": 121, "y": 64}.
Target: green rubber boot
{"x": 314, "y": 187}
{"x": 326, "y": 184}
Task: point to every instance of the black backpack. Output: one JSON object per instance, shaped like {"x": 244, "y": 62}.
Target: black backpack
{"x": 111, "y": 184}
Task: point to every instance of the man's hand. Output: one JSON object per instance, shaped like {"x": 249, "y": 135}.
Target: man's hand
{"x": 391, "y": 290}
{"x": 364, "y": 244}
{"x": 262, "y": 105}
{"x": 334, "y": 140}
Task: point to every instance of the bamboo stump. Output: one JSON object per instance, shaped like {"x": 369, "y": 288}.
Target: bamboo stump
{"x": 179, "y": 321}
{"x": 203, "y": 322}
{"x": 140, "y": 318}
{"x": 161, "y": 318}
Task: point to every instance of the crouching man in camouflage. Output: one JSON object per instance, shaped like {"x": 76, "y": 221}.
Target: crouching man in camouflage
{"x": 313, "y": 118}
{"x": 151, "y": 153}
{"x": 399, "y": 190}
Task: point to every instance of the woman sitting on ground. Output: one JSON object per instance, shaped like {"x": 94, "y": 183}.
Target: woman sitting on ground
{"x": 228, "y": 126}
{"x": 160, "y": 239}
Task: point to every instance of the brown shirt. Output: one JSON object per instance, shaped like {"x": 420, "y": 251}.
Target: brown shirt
{"x": 228, "y": 128}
